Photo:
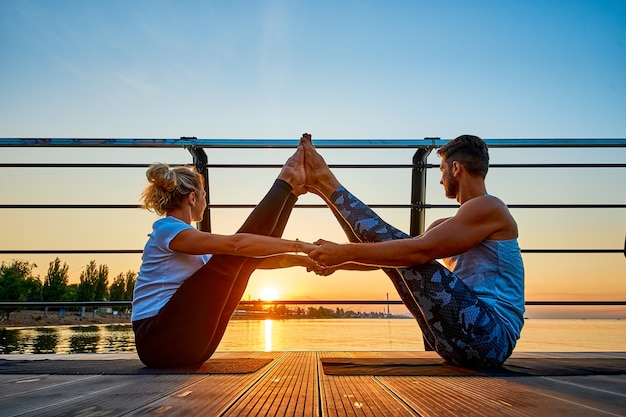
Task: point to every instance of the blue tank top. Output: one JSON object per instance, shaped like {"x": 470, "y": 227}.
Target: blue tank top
{"x": 495, "y": 271}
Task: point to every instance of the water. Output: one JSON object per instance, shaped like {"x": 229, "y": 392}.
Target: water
{"x": 543, "y": 335}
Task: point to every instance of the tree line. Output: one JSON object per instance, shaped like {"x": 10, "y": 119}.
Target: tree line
{"x": 17, "y": 283}
{"x": 282, "y": 311}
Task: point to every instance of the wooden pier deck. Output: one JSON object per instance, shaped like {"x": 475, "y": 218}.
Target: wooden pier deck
{"x": 314, "y": 384}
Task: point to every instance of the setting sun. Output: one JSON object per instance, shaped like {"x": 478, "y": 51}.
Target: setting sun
{"x": 269, "y": 294}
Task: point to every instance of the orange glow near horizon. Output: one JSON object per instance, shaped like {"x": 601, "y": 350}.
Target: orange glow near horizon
{"x": 269, "y": 294}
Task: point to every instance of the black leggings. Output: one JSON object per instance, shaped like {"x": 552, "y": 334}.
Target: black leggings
{"x": 188, "y": 329}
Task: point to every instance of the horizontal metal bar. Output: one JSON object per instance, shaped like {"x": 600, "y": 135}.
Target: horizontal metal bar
{"x": 532, "y": 206}
{"x": 572, "y": 250}
{"x": 18, "y": 304}
{"x": 249, "y": 206}
{"x": 69, "y": 251}
{"x": 250, "y": 166}
{"x": 125, "y": 251}
{"x": 136, "y": 206}
{"x": 575, "y": 303}
{"x": 292, "y": 143}
{"x": 568, "y": 206}
{"x": 333, "y": 166}
{"x": 71, "y": 165}
{"x": 70, "y": 206}
{"x": 566, "y": 165}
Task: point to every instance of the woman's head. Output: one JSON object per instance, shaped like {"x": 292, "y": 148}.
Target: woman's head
{"x": 169, "y": 187}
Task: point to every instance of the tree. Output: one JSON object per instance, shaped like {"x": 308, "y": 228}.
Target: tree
{"x": 71, "y": 293}
{"x": 55, "y": 283}
{"x": 117, "y": 290}
{"x": 122, "y": 289}
{"x": 131, "y": 278}
{"x": 17, "y": 283}
{"x": 101, "y": 292}
{"x": 86, "y": 290}
{"x": 123, "y": 286}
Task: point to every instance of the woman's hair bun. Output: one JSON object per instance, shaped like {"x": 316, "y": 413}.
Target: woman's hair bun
{"x": 162, "y": 176}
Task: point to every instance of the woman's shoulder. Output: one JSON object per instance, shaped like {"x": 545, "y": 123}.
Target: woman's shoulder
{"x": 169, "y": 223}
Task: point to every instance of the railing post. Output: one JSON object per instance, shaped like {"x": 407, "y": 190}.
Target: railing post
{"x": 418, "y": 191}
{"x": 200, "y": 161}
{"x": 418, "y": 198}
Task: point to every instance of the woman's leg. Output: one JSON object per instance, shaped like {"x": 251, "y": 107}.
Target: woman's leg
{"x": 456, "y": 323}
{"x": 190, "y": 326}
{"x": 241, "y": 281}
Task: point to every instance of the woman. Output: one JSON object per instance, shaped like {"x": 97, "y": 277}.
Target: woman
{"x": 190, "y": 282}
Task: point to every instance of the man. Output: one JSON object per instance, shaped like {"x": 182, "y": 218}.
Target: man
{"x": 471, "y": 313}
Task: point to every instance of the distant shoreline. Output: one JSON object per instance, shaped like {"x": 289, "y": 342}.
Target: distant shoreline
{"x": 35, "y": 318}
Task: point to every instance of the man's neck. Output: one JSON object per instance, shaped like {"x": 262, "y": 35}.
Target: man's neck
{"x": 470, "y": 190}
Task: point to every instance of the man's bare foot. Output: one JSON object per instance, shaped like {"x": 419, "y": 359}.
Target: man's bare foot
{"x": 319, "y": 178}
{"x": 294, "y": 173}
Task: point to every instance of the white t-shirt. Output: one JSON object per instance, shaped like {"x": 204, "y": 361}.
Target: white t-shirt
{"x": 162, "y": 270}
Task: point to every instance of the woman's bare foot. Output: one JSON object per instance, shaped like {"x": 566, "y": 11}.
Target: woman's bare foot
{"x": 319, "y": 178}
{"x": 294, "y": 173}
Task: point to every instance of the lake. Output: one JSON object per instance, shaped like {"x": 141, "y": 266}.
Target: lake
{"x": 540, "y": 335}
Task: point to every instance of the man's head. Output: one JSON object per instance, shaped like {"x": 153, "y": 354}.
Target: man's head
{"x": 466, "y": 150}
{"x": 470, "y": 151}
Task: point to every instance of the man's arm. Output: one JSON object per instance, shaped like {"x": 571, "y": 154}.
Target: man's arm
{"x": 436, "y": 223}
{"x": 476, "y": 220}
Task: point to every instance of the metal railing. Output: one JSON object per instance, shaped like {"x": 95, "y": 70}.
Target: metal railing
{"x": 417, "y": 206}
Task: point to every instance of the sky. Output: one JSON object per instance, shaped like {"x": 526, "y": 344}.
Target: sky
{"x": 336, "y": 69}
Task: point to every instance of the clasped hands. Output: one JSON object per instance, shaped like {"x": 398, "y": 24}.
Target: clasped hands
{"x": 327, "y": 256}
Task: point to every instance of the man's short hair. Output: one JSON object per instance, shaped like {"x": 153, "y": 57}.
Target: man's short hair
{"x": 471, "y": 151}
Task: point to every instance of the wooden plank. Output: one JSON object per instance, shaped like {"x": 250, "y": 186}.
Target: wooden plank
{"x": 294, "y": 385}
{"x": 289, "y": 388}
{"x": 532, "y": 398}
{"x": 102, "y": 394}
{"x": 12, "y": 385}
{"x": 205, "y": 397}
{"x": 211, "y": 395}
{"x": 472, "y": 396}
{"x": 598, "y": 392}
{"x": 351, "y": 395}
{"x": 360, "y": 396}
{"x": 119, "y": 394}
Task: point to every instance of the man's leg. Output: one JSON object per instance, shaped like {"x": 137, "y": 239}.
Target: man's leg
{"x": 454, "y": 321}
{"x": 457, "y": 324}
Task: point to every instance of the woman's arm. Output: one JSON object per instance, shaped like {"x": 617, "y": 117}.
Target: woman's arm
{"x": 286, "y": 260}
{"x": 195, "y": 242}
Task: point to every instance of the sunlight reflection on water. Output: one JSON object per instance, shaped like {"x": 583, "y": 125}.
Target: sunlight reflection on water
{"x": 268, "y": 335}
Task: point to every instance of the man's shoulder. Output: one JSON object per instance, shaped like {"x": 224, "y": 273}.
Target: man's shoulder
{"x": 482, "y": 203}
{"x": 492, "y": 208}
